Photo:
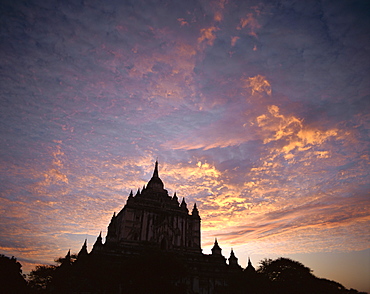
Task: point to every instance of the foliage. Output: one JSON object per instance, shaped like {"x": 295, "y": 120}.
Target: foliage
{"x": 60, "y": 260}
{"x": 156, "y": 273}
{"x": 40, "y": 278}
{"x": 284, "y": 269}
{"x": 11, "y": 278}
{"x": 292, "y": 277}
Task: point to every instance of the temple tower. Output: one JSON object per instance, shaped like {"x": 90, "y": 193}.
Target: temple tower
{"x": 153, "y": 219}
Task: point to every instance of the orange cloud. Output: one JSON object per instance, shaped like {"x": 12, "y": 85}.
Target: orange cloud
{"x": 223, "y": 199}
{"x": 182, "y": 21}
{"x": 207, "y": 35}
{"x": 298, "y": 137}
{"x": 54, "y": 176}
{"x": 234, "y": 40}
{"x": 257, "y": 84}
{"x": 218, "y": 16}
{"x": 218, "y": 7}
{"x": 251, "y": 23}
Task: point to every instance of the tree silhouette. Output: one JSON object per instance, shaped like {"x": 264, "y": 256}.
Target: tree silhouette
{"x": 287, "y": 276}
{"x": 284, "y": 269}
{"x": 72, "y": 259}
{"x": 161, "y": 272}
{"x": 292, "y": 277}
{"x": 11, "y": 278}
{"x": 40, "y": 278}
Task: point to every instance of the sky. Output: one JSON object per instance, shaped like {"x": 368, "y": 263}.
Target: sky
{"x": 258, "y": 111}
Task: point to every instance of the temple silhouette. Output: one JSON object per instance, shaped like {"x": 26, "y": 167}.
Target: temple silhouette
{"x": 153, "y": 245}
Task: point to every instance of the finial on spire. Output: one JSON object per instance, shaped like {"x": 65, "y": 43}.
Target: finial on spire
{"x": 155, "y": 173}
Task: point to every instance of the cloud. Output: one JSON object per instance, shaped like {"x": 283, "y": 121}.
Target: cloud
{"x": 258, "y": 85}
{"x": 207, "y": 35}
{"x": 251, "y": 23}
{"x": 292, "y": 130}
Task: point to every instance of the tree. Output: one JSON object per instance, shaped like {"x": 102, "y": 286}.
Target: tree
{"x": 40, "y": 278}
{"x": 292, "y": 277}
{"x": 284, "y": 269}
{"x": 72, "y": 259}
{"x": 11, "y": 278}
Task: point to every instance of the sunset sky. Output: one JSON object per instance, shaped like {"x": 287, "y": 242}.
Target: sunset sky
{"x": 258, "y": 111}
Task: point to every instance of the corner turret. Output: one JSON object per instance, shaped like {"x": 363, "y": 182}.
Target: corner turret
{"x": 98, "y": 243}
{"x": 67, "y": 260}
{"x": 83, "y": 252}
{"x": 250, "y": 268}
{"x": 216, "y": 249}
{"x": 131, "y": 195}
{"x": 175, "y": 199}
{"x": 233, "y": 260}
{"x": 195, "y": 211}
{"x": 184, "y": 206}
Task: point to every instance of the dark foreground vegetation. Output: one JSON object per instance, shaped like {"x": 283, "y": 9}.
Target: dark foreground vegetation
{"x": 150, "y": 274}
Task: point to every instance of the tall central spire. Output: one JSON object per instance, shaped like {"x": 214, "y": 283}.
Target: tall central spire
{"x": 155, "y": 182}
{"x": 155, "y": 173}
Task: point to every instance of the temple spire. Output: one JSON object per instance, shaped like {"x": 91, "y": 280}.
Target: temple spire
{"x": 83, "y": 252}
{"x": 195, "y": 211}
{"x": 155, "y": 173}
{"x": 232, "y": 254}
{"x": 175, "y": 199}
{"x": 68, "y": 256}
{"x": 67, "y": 260}
{"x": 233, "y": 260}
{"x": 216, "y": 250}
{"x": 250, "y": 268}
{"x": 155, "y": 182}
{"x": 183, "y": 205}
{"x": 98, "y": 243}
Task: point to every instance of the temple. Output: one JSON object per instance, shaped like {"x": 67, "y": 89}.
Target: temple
{"x": 153, "y": 220}
{"x": 154, "y": 232}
